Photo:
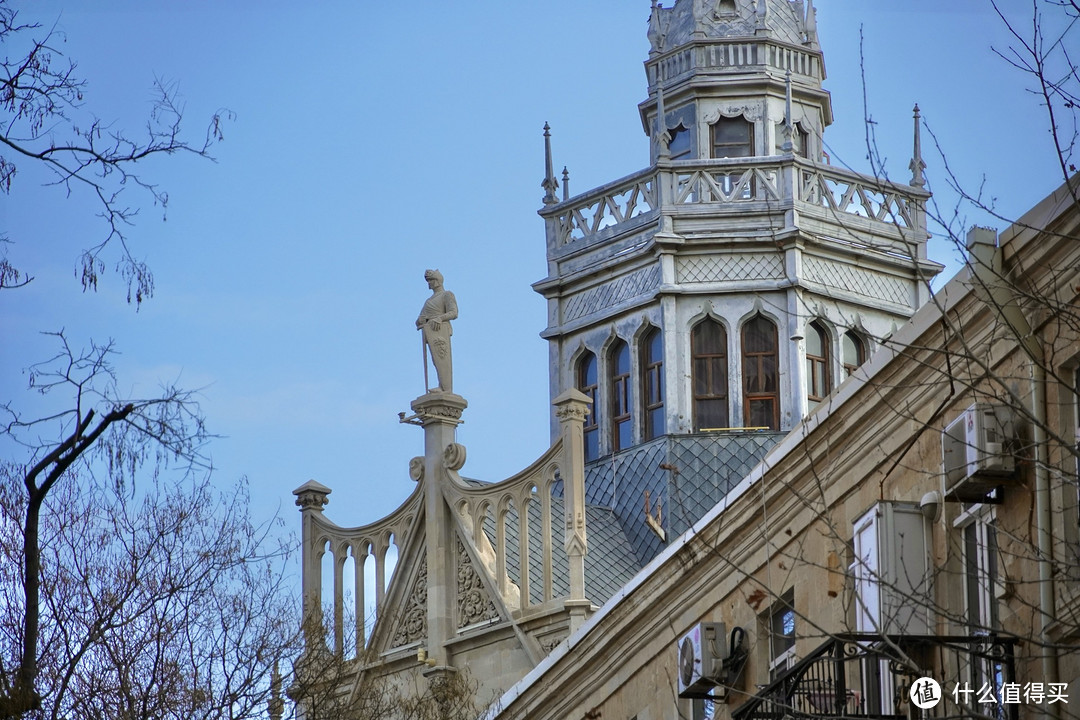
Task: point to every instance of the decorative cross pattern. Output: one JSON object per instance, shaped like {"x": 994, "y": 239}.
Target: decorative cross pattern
{"x": 608, "y": 294}
{"x": 742, "y": 266}
{"x": 861, "y": 282}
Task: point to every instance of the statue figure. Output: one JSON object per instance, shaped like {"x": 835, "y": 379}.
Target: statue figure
{"x": 434, "y": 321}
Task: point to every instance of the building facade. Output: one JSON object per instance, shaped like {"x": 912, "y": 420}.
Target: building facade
{"x": 760, "y": 414}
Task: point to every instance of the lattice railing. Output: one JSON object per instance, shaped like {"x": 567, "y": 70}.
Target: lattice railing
{"x": 605, "y": 207}
{"x": 851, "y": 194}
{"x": 727, "y": 184}
{"x": 508, "y": 510}
{"x": 832, "y": 194}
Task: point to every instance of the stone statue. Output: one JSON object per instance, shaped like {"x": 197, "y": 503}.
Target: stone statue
{"x": 434, "y": 321}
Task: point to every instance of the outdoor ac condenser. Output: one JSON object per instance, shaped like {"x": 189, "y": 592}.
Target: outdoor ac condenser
{"x": 976, "y": 452}
{"x": 702, "y": 652}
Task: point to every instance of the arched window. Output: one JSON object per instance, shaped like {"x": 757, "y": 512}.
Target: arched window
{"x": 853, "y": 352}
{"x": 652, "y": 383}
{"x": 817, "y": 363}
{"x": 621, "y": 400}
{"x": 761, "y": 393}
{"x": 708, "y": 342}
{"x": 587, "y": 383}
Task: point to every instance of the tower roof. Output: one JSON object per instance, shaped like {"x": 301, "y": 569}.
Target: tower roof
{"x": 786, "y": 21}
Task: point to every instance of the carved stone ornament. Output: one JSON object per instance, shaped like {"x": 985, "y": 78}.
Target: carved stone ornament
{"x": 413, "y": 624}
{"x": 572, "y": 412}
{"x": 454, "y": 456}
{"x": 753, "y": 113}
{"x": 311, "y": 496}
{"x": 474, "y": 603}
{"x": 416, "y": 468}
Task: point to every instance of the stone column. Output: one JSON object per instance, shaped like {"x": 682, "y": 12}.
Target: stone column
{"x": 439, "y": 414}
{"x": 310, "y": 498}
{"x": 570, "y": 408}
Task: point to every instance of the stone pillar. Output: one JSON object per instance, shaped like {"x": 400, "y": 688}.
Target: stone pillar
{"x": 570, "y": 408}
{"x": 439, "y": 414}
{"x": 310, "y": 498}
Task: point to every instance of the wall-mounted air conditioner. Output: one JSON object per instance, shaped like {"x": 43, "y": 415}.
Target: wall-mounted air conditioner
{"x": 702, "y": 652}
{"x": 977, "y": 452}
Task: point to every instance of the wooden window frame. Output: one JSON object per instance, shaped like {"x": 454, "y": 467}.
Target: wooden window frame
{"x": 818, "y": 366}
{"x": 622, "y": 399}
{"x": 592, "y": 419}
{"x": 714, "y": 391}
{"x": 758, "y": 358}
{"x": 860, "y": 351}
{"x": 652, "y": 385}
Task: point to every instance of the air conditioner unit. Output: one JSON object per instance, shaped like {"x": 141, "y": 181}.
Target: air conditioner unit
{"x": 702, "y": 652}
{"x": 976, "y": 451}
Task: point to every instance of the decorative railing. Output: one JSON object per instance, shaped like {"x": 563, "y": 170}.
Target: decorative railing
{"x": 850, "y": 194}
{"x": 720, "y": 55}
{"x": 830, "y": 194}
{"x": 321, "y": 536}
{"x": 507, "y": 511}
{"x": 607, "y": 206}
{"x": 871, "y": 676}
{"x": 722, "y": 181}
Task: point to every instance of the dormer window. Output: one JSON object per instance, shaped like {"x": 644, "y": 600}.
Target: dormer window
{"x": 732, "y": 137}
{"x": 726, "y": 7}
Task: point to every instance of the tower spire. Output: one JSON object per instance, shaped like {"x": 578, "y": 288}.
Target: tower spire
{"x": 550, "y": 184}
{"x": 917, "y": 165}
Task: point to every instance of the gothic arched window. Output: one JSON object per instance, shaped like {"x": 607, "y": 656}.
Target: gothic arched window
{"x": 621, "y": 400}
{"x": 817, "y": 363}
{"x": 708, "y": 341}
{"x": 587, "y": 383}
{"x": 761, "y": 374}
{"x": 652, "y": 383}
{"x": 853, "y": 351}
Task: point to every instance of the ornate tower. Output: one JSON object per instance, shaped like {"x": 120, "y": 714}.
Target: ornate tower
{"x": 709, "y": 301}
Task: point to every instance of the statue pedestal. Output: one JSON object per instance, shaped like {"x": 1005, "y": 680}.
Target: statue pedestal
{"x": 442, "y": 407}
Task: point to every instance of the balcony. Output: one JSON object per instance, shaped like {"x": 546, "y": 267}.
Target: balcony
{"x": 834, "y": 200}
{"x": 870, "y": 676}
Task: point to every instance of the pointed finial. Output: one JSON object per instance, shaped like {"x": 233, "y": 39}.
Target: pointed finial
{"x": 917, "y": 165}
{"x": 276, "y": 703}
{"x": 811, "y": 24}
{"x": 789, "y": 130}
{"x": 565, "y": 184}
{"x": 550, "y": 184}
{"x": 663, "y": 138}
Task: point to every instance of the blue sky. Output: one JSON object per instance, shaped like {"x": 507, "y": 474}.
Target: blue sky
{"x": 374, "y": 140}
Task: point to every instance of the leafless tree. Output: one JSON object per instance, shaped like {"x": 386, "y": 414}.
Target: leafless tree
{"x": 48, "y": 125}
{"x": 131, "y": 588}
